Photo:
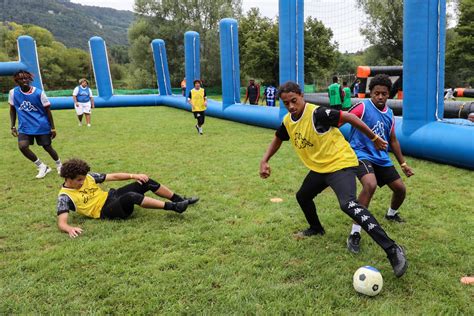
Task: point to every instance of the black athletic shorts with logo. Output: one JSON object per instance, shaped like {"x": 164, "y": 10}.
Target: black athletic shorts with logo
{"x": 384, "y": 175}
{"x": 41, "y": 140}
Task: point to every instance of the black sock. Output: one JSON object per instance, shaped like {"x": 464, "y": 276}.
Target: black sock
{"x": 169, "y": 206}
{"x": 176, "y": 198}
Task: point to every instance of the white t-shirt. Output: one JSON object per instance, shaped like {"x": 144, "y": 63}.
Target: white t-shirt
{"x": 44, "y": 98}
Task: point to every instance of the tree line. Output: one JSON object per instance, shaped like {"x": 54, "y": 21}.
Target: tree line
{"x": 132, "y": 66}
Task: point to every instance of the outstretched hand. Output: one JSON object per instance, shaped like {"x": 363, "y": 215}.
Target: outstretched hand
{"x": 265, "y": 170}
{"x": 74, "y": 232}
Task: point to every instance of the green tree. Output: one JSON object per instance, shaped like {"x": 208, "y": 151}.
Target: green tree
{"x": 459, "y": 53}
{"x": 320, "y": 53}
{"x": 169, "y": 20}
{"x": 258, "y": 47}
{"x": 384, "y": 29}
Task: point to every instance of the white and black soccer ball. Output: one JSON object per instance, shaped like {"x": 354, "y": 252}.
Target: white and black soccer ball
{"x": 368, "y": 280}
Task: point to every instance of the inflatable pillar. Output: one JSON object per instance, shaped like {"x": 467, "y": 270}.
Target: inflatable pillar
{"x": 230, "y": 66}
{"x": 28, "y": 61}
{"x": 161, "y": 66}
{"x": 192, "y": 58}
{"x": 423, "y": 61}
{"x": 100, "y": 65}
{"x": 291, "y": 40}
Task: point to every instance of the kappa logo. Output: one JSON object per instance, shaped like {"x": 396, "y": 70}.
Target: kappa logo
{"x": 357, "y": 210}
{"x": 328, "y": 112}
{"x": 364, "y": 218}
{"x": 87, "y": 194}
{"x": 27, "y": 107}
{"x": 378, "y": 129}
{"x": 301, "y": 142}
{"x": 352, "y": 204}
{"x": 371, "y": 226}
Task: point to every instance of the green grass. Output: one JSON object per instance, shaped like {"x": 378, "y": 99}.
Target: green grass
{"x": 233, "y": 252}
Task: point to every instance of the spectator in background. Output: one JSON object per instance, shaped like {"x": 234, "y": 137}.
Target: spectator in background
{"x": 346, "y": 103}
{"x": 356, "y": 88}
{"x": 83, "y": 101}
{"x": 449, "y": 94}
{"x": 336, "y": 95}
{"x": 270, "y": 94}
{"x": 183, "y": 86}
{"x": 252, "y": 93}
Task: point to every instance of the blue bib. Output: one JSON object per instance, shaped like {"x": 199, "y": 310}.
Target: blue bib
{"x": 83, "y": 95}
{"x": 381, "y": 124}
{"x": 32, "y": 117}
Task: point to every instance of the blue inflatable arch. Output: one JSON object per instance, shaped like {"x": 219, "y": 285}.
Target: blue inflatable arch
{"x": 421, "y": 132}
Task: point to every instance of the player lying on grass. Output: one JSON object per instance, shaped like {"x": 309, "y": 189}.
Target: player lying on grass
{"x": 320, "y": 145}
{"x": 81, "y": 193}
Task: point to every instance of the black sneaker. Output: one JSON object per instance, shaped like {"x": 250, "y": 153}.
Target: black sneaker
{"x": 394, "y": 218}
{"x": 396, "y": 256}
{"x": 353, "y": 242}
{"x": 191, "y": 200}
{"x": 180, "y": 207}
{"x": 310, "y": 232}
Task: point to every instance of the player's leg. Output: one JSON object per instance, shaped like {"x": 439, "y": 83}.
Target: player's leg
{"x": 45, "y": 141}
{"x": 365, "y": 173}
{"x": 312, "y": 185}
{"x": 24, "y": 142}
{"x": 79, "y": 112}
{"x": 398, "y": 196}
{"x": 87, "y": 112}
{"x": 343, "y": 182}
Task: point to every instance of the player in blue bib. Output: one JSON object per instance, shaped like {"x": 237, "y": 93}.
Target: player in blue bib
{"x": 375, "y": 166}
{"x": 270, "y": 95}
{"x": 83, "y": 101}
{"x": 35, "y": 121}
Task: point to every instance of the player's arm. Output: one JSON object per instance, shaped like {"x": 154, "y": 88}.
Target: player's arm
{"x": 13, "y": 121}
{"x": 246, "y": 95}
{"x": 341, "y": 93}
{"x": 397, "y": 151}
{"x": 265, "y": 169}
{"x": 350, "y": 118}
{"x": 51, "y": 121}
{"x": 73, "y": 232}
{"x": 141, "y": 178}
{"x": 205, "y": 98}
{"x": 74, "y": 96}
{"x": 92, "y": 98}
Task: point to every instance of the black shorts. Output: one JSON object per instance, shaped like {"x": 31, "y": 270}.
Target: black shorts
{"x": 41, "y": 140}
{"x": 384, "y": 175}
{"x": 198, "y": 114}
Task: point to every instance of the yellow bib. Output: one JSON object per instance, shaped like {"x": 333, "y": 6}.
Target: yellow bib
{"x": 321, "y": 152}
{"x": 89, "y": 199}
{"x": 197, "y": 100}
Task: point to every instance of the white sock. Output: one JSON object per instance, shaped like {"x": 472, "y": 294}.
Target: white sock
{"x": 38, "y": 162}
{"x": 391, "y": 211}
{"x": 355, "y": 229}
{"x": 58, "y": 162}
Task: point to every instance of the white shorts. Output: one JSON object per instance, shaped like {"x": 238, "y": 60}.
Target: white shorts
{"x": 83, "y": 108}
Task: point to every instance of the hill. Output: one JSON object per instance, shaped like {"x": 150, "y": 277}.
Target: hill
{"x": 70, "y": 23}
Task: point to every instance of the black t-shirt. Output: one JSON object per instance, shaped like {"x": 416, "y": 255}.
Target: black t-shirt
{"x": 323, "y": 119}
{"x": 252, "y": 92}
{"x": 65, "y": 204}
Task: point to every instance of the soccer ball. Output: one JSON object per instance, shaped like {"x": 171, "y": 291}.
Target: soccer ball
{"x": 368, "y": 280}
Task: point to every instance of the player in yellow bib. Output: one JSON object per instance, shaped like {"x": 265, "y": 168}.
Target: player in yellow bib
{"x": 198, "y": 100}
{"x": 314, "y": 134}
{"x": 81, "y": 193}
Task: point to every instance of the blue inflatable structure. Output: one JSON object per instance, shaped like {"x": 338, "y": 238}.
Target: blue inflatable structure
{"x": 422, "y": 132}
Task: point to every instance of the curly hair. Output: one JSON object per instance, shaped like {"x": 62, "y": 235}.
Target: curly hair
{"x": 380, "y": 80}
{"x": 288, "y": 87}
{"x": 73, "y": 168}
{"x": 23, "y": 74}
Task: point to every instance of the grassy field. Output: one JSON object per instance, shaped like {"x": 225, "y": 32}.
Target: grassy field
{"x": 233, "y": 252}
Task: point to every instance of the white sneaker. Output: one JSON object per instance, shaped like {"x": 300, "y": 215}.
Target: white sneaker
{"x": 43, "y": 170}
{"x": 88, "y": 125}
{"x": 59, "y": 168}
{"x": 80, "y": 124}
